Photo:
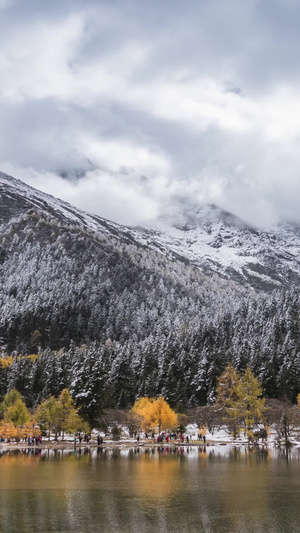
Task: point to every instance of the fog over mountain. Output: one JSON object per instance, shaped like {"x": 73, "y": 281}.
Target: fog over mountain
{"x": 202, "y": 99}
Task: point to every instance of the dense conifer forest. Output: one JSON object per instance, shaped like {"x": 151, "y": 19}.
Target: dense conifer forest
{"x": 112, "y": 320}
{"x": 181, "y": 363}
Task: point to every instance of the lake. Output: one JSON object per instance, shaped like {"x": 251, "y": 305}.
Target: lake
{"x": 218, "y": 489}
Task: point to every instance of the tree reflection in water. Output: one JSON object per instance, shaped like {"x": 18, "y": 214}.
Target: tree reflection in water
{"x": 195, "y": 489}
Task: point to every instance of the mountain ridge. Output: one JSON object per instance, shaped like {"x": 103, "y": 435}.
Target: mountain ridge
{"x": 206, "y": 236}
{"x": 67, "y": 273}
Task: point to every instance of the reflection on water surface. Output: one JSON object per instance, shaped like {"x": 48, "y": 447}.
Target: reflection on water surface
{"x": 214, "y": 489}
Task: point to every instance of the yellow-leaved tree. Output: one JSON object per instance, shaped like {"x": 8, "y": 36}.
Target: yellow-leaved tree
{"x": 229, "y": 396}
{"x": 253, "y": 403}
{"x": 48, "y": 415}
{"x": 241, "y": 398}
{"x": 142, "y": 410}
{"x": 155, "y": 413}
{"x": 59, "y": 415}
{"x": 15, "y": 415}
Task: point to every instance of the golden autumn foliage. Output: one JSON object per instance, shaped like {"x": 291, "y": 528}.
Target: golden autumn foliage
{"x": 55, "y": 414}
{"x": 144, "y": 411}
{"x": 155, "y": 413}
{"x": 9, "y": 431}
{"x": 17, "y": 422}
{"x": 33, "y": 357}
{"x": 6, "y": 361}
{"x": 202, "y": 430}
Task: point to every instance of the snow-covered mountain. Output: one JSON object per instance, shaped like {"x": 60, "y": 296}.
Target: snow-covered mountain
{"x": 143, "y": 311}
{"x": 216, "y": 240}
{"x": 205, "y": 236}
{"x": 77, "y": 277}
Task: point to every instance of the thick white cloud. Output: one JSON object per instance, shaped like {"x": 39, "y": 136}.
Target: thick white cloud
{"x": 201, "y": 99}
{"x": 35, "y": 62}
{"x": 112, "y": 196}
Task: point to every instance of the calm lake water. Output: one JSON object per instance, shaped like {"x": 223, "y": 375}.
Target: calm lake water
{"x": 219, "y": 489}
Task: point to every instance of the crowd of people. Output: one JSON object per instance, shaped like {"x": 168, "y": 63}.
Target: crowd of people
{"x": 165, "y": 437}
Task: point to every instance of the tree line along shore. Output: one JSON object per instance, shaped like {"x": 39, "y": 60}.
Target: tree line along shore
{"x": 239, "y": 409}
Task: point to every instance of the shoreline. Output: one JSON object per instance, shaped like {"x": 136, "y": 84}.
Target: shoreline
{"x": 127, "y": 444}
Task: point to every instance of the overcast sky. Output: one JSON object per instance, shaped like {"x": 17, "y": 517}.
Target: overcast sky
{"x": 125, "y": 107}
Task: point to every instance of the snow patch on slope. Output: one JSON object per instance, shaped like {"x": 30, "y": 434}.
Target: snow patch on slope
{"x": 206, "y": 236}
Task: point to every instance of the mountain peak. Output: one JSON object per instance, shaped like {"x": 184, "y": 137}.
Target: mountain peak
{"x": 192, "y": 215}
{"x": 206, "y": 236}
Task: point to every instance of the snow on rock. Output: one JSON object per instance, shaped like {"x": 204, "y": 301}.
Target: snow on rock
{"x": 206, "y": 236}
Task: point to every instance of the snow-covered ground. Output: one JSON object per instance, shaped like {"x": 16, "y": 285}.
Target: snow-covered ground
{"x": 219, "y": 438}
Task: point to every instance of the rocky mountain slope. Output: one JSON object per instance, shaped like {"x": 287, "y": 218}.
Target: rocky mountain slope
{"x": 215, "y": 240}
{"x": 205, "y": 236}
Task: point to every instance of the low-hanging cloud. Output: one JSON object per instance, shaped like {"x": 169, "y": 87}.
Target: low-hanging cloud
{"x": 120, "y": 108}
